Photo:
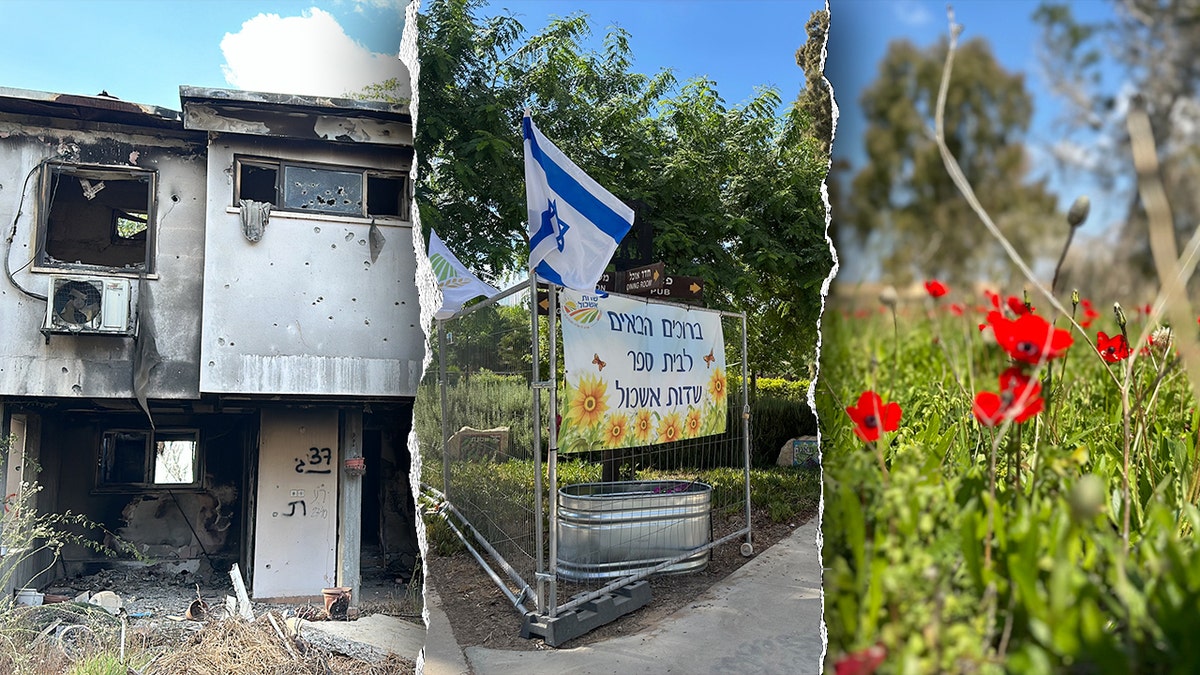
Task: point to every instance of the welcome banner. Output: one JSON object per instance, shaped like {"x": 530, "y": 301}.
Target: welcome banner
{"x": 639, "y": 373}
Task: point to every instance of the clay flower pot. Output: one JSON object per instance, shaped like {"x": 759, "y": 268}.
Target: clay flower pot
{"x": 355, "y": 466}
{"x": 337, "y": 602}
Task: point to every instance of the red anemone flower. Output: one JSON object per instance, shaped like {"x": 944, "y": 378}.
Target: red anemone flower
{"x": 935, "y": 288}
{"x": 1089, "y": 314}
{"x": 862, "y": 662}
{"x": 1018, "y": 306}
{"x": 994, "y": 298}
{"x": 956, "y": 309}
{"x": 871, "y": 416}
{"x": 1029, "y": 338}
{"x": 1112, "y": 349}
{"x": 1018, "y": 400}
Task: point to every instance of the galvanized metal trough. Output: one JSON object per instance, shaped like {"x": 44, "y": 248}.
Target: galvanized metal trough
{"x": 617, "y": 529}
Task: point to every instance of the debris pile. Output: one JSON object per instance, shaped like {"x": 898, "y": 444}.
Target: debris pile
{"x": 99, "y": 630}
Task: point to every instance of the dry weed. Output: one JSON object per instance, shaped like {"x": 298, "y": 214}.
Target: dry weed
{"x": 234, "y": 647}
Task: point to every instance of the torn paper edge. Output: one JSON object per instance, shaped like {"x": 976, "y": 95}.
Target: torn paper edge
{"x": 812, "y": 385}
{"x": 430, "y": 297}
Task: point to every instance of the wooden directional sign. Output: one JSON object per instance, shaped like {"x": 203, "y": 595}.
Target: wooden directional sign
{"x": 610, "y": 282}
{"x": 680, "y": 288}
{"x": 641, "y": 280}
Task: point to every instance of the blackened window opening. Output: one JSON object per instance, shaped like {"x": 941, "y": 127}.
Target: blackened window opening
{"x": 257, "y": 183}
{"x": 135, "y": 457}
{"x": 384, "y": 195}
{"x": 98, "y": 218}
{"x": 332, "y": 190}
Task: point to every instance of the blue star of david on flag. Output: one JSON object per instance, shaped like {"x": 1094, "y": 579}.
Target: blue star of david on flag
{"x": 551, "y": 225}
{"x": 558, "y": 192}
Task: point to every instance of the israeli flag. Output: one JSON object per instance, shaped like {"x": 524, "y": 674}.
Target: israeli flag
{"x": 456, "y": 283}
{"x": 574, "y": 223}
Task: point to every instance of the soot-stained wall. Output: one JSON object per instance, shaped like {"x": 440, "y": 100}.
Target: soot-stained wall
{"x": 84, "y": 366}
{"x": 190, "y": 525}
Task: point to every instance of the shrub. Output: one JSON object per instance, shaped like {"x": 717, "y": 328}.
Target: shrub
{"x": 792, "y": 390}
{"x": 775, "y": 420}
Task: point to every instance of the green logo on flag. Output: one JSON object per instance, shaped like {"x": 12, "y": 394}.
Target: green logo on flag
{"x": 447, "y": 275}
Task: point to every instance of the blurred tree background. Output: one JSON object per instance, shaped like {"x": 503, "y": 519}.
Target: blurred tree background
{"x": 1149, "y": 50}
{"x": 902, "y": 205}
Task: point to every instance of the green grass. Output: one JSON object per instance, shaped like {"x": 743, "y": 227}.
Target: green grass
{"x": 952, "y": 574}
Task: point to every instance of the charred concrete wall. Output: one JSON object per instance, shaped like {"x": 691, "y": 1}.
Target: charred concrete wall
{"x": 84, "y": 366}
{"x": 321, "y": 304}
{"x": 186, "y": 525}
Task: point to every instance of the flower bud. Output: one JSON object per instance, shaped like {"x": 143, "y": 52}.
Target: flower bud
{"x": 1079, "y": 211}
{"x": 1074, "y": 298}
{"x": 1120, "y": 314}
{"x": 1086, "y": 497}
{"x": 1160, "y": 340}
{"x": 888, "y": 296}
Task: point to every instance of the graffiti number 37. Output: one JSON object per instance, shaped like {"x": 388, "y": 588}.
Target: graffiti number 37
{"x": 317, "y": 457}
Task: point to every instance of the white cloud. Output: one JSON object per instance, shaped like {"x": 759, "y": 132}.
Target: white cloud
{"x": 1075, "y": 155}
{"x": 911, "y": 13}
{"x": 380, "y": 4}
{"x": 310, "y": 55}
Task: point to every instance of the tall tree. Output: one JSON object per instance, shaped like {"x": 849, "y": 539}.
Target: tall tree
{"x": 1148, "y": 48}
{"x": 902, "y": 201}
{"x": 468, "y": 157}
{"x": 730, "y": 193}
{"x": 816, "y": 100}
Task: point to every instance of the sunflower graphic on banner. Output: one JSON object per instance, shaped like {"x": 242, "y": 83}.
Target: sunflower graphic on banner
{"x": 639, "y": 373}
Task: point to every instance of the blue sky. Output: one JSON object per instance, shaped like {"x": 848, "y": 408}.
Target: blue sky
{"x": 861, "y": 30}
{"x": 142, "y": 51}
{"x": 739, "y": 44}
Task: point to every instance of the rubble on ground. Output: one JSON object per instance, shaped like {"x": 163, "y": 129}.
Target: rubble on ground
{"x": 158, "y": 622}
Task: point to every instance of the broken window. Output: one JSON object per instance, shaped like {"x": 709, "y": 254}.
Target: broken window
{"x": 149, "y": 458}
{"x": 386, "y": 195}
{"x": 257, "y": 181}
{"x": 96, "y": 217}
{"x": 332, "y": 190}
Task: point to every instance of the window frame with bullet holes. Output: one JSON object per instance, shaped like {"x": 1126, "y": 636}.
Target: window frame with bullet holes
{"x": 327, "y": 189}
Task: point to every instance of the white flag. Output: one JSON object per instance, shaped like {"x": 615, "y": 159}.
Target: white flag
{"x": 457, "y": 284}
{"x": 574, "y": 223}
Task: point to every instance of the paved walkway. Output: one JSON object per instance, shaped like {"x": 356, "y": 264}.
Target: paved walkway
{"x": 765, "y": 618}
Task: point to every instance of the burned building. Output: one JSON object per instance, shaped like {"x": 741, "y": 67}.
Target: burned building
{"x": 209, "y": 331}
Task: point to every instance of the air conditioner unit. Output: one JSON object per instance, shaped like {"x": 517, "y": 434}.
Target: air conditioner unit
{"x": 88, "y": 305}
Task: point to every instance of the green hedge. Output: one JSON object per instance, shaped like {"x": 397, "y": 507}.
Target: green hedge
{"x": 778, "y": 412}
{"x": 777, "y": 387}
{"x": 773, "y": 421}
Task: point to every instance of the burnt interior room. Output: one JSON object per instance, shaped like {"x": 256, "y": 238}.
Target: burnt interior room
{"x": 97, "y": 217}
{"x": 173, "y": 492}
{"x": 389, "y": 534}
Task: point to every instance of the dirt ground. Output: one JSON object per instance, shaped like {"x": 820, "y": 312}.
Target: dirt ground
{"x": 481, "y": 615}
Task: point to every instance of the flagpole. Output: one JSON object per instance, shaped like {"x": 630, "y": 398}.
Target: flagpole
{"x": 553, "y": 454}
{"x": 445, "y": 407}
{"x": 539, "y": 535}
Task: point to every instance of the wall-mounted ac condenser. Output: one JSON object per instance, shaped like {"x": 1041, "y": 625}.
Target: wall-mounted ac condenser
{"x": 88, "y": 305}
